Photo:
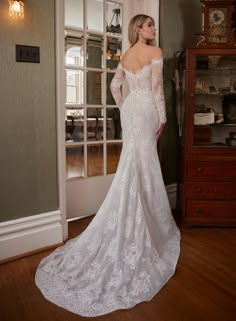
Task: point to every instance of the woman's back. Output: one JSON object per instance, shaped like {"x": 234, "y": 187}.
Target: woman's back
{"x": 140, "y": 55}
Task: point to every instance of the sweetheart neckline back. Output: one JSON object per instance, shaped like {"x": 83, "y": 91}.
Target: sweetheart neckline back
{"x": 136, "y": 72}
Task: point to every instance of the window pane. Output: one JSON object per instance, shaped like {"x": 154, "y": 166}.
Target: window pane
{"x": 113, "y": 156}
{"x": 94, "y": 88}
{"x": 114, "y": 18}
{"x": 95, "y": 160}
{"x": 74, "y": 51}
{"x": 94, "y": 51}
{"x": 75, "y": 162}
{"x": 114, "y": 52}
{"x": 74, "y": 13}
{"x": 75, "y": 125}
{"x": 114, "y": 130}
{"x": 94, "y": 124}
{"x": 95, "y": 15}
{"x": 74, "y": 86}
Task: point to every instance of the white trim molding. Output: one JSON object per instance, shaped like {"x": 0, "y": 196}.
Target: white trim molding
{"x": 172, "y": 195}
{"x": 30, "y": 233}
{"x": 60, "y": 99}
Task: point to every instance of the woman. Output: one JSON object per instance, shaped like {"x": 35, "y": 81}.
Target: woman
{"x": 131, "y": 247}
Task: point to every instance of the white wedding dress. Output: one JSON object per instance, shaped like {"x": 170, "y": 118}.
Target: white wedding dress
{"x": 131, "y": 247}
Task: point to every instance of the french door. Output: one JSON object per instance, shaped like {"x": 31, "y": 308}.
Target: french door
{"x": 93, "y": 48}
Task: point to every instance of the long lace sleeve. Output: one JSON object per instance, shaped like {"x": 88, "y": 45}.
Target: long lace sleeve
{"x": 157, "y": 88}
{"x": 115, "y": 85}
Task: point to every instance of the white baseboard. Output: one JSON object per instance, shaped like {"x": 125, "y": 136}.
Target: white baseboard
{"x": 30, "y": 233}
{"x": 172, "y": 195}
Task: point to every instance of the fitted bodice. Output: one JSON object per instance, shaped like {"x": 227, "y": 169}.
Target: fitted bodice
{"x": 148, "y": 78}
{"x": 141, "y": 79}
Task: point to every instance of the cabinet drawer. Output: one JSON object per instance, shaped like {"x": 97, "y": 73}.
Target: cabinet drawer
{"x": 211, "y": 209}
{"x": 211, "y": 169}
{"x": 206, "y": 190}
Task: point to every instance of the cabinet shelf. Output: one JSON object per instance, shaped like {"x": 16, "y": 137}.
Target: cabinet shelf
{"x": 215, "y": 125}
{"x": 215, "y": 94}
{"x": 208, "y": 152}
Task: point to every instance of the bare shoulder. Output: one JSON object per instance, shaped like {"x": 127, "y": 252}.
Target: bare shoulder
{"x": 156, "y": 52}
{"x": 124, "y": 56}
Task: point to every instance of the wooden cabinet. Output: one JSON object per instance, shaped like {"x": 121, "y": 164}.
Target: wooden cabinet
{"x": 207, "y": 146}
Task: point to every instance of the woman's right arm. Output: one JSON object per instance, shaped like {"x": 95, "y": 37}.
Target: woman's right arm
{"x": 116, "y": 84}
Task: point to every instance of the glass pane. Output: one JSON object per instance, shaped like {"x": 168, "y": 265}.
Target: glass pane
{"x": 95, "y": 15}
{"x": 114, "y": 130}
{"x": 95, "y": 160}
{"x": 110, "y": 99}
{"x": 113, "y": 156}
{"x": 114, "y": 52}
{"x": 74, "y": 125}
{"x": 94, "y": 51}
{"x": 74, "y": 13}
{"x": 94, "y": 124}
{"x": 74, "y": 51}
{"x": 94, "y": 88}
{"x": 74, "y": 86}
{"x": 114, "y": 18}
{"x": 75, "y": 162}
{"x": 215, "y": 100}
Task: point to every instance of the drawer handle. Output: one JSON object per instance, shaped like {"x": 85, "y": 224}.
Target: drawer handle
{"x": 198, "y": 210}
{"x": 200, "y": 169}
{"x": 198, "y": 189}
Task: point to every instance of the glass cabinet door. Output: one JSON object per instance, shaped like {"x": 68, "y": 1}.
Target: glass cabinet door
{"x": 214, "y": 101}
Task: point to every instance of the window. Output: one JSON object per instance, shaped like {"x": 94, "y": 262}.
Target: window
{"x": 93, "y": 48}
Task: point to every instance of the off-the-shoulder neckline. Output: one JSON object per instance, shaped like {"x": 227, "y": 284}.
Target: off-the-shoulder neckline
{"x": 153, "y": 61}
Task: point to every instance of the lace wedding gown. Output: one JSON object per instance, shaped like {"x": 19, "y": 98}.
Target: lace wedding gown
{"x": 131, "y": 247}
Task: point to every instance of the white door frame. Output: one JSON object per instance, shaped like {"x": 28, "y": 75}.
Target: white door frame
{"x": 60, "y": 111}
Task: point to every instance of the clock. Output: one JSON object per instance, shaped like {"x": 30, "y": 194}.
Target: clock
{"x": 219, "y": 22}
{"x": 217, "y": 16}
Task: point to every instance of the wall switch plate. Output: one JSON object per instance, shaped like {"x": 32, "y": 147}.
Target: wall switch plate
{"x": 27, "y": 54}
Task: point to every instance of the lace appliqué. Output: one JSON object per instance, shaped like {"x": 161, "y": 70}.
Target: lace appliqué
{"x": 157, "y": 88}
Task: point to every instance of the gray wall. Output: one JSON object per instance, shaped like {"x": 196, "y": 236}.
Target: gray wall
{"x": 28, "y": 165}
{"x": 180, "y": 20}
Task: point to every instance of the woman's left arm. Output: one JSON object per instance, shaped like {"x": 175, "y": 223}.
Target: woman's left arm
{"x": 158, "y": 93}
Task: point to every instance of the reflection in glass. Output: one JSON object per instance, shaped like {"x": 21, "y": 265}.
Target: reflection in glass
{"x": 94, "y": 88}
{"x": 114, "y": 130}
{"x": 94, "y": 124}
{"x": 75, "y": 162}
{"x": 114, "y": 18}
{"x": 114, "y": 52}
{"x": 74, "y": 13}
{"x": 74, "y": 125}
{"x": 94, "y": 51}
{"x": 95, "y": 160}
{"x": 74, "y": 86}
{"x": 214, "y": 135}
{"x": 74, "y": 51}
{"x": 95, "y": 15}
{"x": 113, "y": 156}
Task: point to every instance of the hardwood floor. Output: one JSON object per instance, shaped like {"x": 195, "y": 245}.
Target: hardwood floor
{"x": 202, "y": 289}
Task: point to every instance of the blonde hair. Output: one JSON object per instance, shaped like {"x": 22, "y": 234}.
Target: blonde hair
{"x": 137, "y": 22}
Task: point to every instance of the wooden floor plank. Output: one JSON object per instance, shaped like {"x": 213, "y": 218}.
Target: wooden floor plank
{"x": 202, "y": 289}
